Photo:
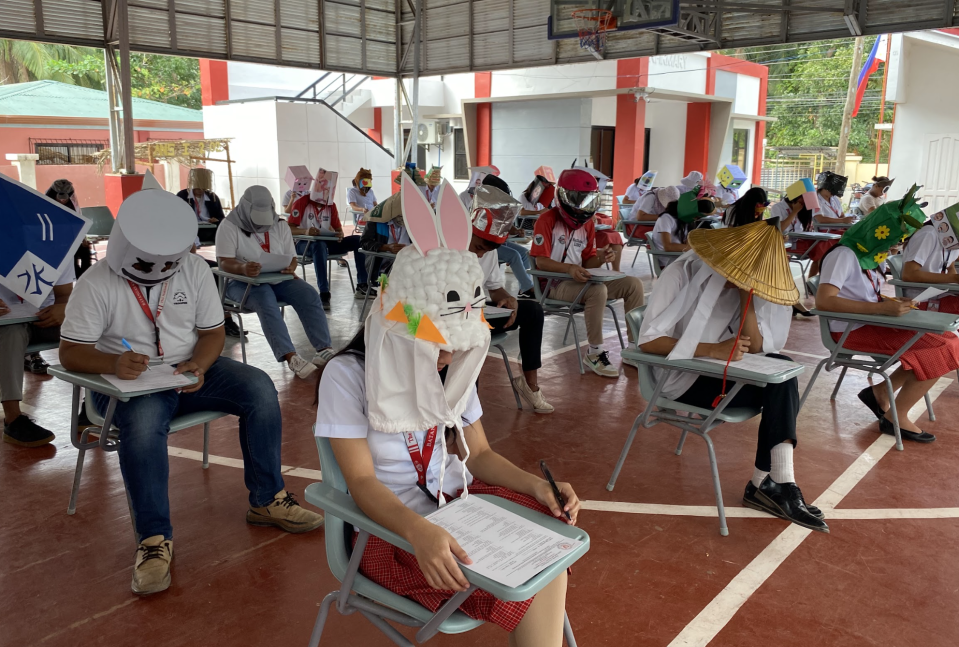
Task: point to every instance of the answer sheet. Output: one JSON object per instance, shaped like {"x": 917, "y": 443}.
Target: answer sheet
{"x": 504, "y": 546}
{"x": 160, "y": 376}
{"x": 19, "y": 310}
{"x": 492, "y": 312}
{"x": 928, "y": 293}
{"x": 274, "y": 262}
{"x": 602, "y": 271}
{"x": 756, "y": 363}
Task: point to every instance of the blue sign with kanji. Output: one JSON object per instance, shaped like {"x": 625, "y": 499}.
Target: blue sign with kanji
{"x": 38, "y": 237}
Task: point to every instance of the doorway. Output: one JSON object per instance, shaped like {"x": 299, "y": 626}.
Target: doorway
{"x": 601, "y": 147}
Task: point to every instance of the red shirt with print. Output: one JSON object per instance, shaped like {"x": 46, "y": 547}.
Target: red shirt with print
{"x": 554, "y": 239}
{"x": 312, "y": 214}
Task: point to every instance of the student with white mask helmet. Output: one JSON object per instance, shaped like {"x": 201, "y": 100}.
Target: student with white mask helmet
{"x": 156, "y": 297}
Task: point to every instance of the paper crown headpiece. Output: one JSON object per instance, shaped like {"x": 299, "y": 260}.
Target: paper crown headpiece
{"x": 872, "y": 237}
{"x": 946, "y": 223}
{"x": 731, "y": 177}
{"x": 753, "y": 257}
{"x": 494, "y": 213}
{"x": 435, "y": 176}
{"x": 804, "y": 188}
{"x": 299, "y": 178}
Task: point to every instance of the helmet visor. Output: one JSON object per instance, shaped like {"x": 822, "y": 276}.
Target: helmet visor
{"x": 587, "y": 201}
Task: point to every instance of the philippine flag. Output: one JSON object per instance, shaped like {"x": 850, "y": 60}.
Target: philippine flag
{"x": 877, "y": 54}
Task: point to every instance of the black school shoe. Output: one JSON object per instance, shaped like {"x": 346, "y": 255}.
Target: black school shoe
{"x": 231, "y": 329}
{"x": 868, "y": 398}
{"x": 26, "y": 433}
{"x": 35, "y": 364}
{"x": 325, "y": 298}
{"x": 750, "y": 500}
{"x": 889, "y": 429}
{"x": 786, "y": 499}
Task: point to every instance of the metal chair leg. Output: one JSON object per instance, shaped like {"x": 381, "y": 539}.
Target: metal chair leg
{"x": 579, "y": 355}
{"x": 618, "y": 329}
{"x": 723, "y": 529}
{"x": 569, "y": 323}
{"x": 206, "y": 445}
{"x": 509, "y": 373}
{"x": 932, "y": 414}
{"x": 682, "y": 441}
{"x": 842, "y": 374}
{"x": 622, "y": 454}
{"x": 239, "y": 319}
{"x": 893, "y": 411}
{"x": 321, "y": 616}
{"x": 72, "y": 507}
{"x": 568, "y": 631}
{"x": 812, "y": 381}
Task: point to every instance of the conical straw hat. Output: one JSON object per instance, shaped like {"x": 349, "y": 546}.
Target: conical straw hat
{"x": 753, "y": 257}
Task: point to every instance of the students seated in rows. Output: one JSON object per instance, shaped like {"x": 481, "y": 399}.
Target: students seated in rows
{"x": 930, "y": 255}
{"x": 564, "y": 241}
{"x": 254, "y": 228}
{"x": 407, "y": 380}
{"x": 653, "y": 203}
{"x": 639, "y": 187}
{"x": 515, "y": 256}
{"x": 851, "y": 282}
{"x": 747, "y": 209}
{"x": 18, "y": 429}
{"x": 673, "y": 226}
{"x": 161, "y": 299}
{"x": 204, "y": 202}
{"x": 716, "y": 301}
{"x": 493, "y": 215}
{"x": 316, "y": 215}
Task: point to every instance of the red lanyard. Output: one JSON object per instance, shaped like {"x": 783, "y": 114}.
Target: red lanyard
{"x": 829, "y": 206}
{"x": 145, "y": 306}
{"x": 876, "y": 285}
{"x": 422, "y": 461}
{"x": 395, "y": 232}
{"x": 196, "y": 207}
{"x": 265, "y": 246}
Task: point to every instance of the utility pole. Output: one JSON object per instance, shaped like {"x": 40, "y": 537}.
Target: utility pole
{"x": 847, "y": 110}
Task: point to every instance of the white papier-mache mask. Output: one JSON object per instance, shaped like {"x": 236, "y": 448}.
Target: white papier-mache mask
{"x": 324, "y": 184}
{"x": 432, "y": 301}
{"x": 153, "y": 232}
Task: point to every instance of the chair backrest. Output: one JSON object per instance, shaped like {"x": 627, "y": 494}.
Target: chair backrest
{"x": 101, "y": 220}
{"x": 812, "y": 284}
{"x": 634, "y": 321}
{"x": 337, "y": 550}
{"x": 895, "y": 266}
{"x": 825, "y": 334}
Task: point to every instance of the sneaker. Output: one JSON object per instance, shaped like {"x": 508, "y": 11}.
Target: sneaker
{"x": 284, "y": 512}
{"x": 231, "y": 328}
{"x": 362, "y": 290}
{"x": 528, "y": 294}
{"x": 35, "y": 364}
{"x": 26, "y": 433}
{"x": 787, "y": 502}
{"x": 750, "y": 500}
{"x": 342, "y": 262}
{"x": 325, "y": 298}
{"x": 323, "y": 356}
{"x": 600, "y": 365}
{"x": 535, "y": 398}
{"x": 301, "y": 367}
{"x": 151, "y": 571}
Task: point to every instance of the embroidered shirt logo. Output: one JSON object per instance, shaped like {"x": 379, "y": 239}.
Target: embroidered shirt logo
{"x": 538, "y": 239}
{"x": 179, "y": 298}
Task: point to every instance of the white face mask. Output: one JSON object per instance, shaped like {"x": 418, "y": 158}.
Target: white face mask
{"x": 153, "y": 232}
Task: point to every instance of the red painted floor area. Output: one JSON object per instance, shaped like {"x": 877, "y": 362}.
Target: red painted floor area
{"x": 64, "y": 580}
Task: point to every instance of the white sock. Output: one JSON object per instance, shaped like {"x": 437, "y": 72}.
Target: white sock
{"x": 594, "y": 350}
{"x": 759, "y": 476}
{"x": 782, "y": 463}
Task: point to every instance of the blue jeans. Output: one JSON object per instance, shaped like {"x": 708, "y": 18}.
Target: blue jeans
{"x": 517, "y": 257}
{"x": 144, "y": 423}
{"x": 301, "y": 296}
{"x": 320, "y": 249}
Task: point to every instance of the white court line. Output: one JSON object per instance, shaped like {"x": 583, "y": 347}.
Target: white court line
{"x": 669, "y": 510}
{"x": 717, "y": 614}
{"x": 286, "y": 470}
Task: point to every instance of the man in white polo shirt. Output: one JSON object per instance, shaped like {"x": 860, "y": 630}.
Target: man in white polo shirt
{"x": 155, "y": 296}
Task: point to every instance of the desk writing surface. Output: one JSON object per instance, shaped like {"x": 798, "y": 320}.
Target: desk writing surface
{"x": 715, "y": 369}
{"x": 262, "y": 279}
{"x": 948, "y": 287}
{"x": 813, "y": 235}
{"x": 919, "y": 320}
{"x": 95, "y": 382}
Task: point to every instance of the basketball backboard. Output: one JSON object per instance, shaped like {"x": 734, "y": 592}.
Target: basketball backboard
{"x": 627, "y": 15}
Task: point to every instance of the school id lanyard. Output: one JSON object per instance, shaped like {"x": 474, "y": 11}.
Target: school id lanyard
{"x": 422, "y": 460}
{"x": 265, "y": 243}
{"x": 569, "y": 241}
{"x": 145, "y": 306}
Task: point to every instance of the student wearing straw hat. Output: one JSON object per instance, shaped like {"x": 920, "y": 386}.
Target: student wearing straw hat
{"x": 728, "y": 296}
{"x": 851, "y": 283}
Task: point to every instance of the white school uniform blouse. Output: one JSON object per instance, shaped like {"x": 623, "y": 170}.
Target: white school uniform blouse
{"x": 781, "y": 210}
{"x": 868, "y": 203}
{"x": 342, "y": 413}
{"x": 633, "y": 193}
{"x": 69, "y": 275}
{"x": 924, "y": 248}
{"x": 354, "y": 196}
{"x": 831, "y": 208}
{"x": 723, "y": 323}
{"x": 103, "y": 310}
{"x": 231, "y": 242}
{"x": 649, "y": 203}
{"x": 493, "y": 278}
{"x": 841, "y": 268}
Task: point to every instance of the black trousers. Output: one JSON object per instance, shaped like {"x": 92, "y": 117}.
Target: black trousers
{"x": 529, "y": 320}
{"x": 82, "y": 258}
{"x": 780, "y": 404}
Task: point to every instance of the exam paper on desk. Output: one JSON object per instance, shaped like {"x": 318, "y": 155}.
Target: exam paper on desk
{"x": 504, "y": 546}
{"x": 274, "y": 262}
{"x": 19, "y": 310}
{"x": 756, "y": 363}
{"x": 160, "y": 376}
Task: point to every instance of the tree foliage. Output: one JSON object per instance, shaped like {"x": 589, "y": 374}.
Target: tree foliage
{"x": 807, "y": 92}
{"x": 169, "y": 79}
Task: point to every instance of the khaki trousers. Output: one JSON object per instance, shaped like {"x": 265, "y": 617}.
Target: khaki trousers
{"x": 628, "y": 288}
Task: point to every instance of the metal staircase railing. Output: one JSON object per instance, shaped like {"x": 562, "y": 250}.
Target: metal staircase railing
{"x": 333, "y": 88}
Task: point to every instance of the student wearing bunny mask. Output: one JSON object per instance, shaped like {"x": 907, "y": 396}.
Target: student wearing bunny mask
{"x": 407, "y": 381}
{"x": 564, "y": 241}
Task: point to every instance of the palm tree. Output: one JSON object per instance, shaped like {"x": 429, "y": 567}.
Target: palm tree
{"x": 23, "y": 60}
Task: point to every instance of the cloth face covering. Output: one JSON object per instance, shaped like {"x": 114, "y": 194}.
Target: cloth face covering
{"x": 255, "y": 212}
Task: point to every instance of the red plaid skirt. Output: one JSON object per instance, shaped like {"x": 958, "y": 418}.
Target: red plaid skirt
{"x": 948, "y": 304}
{"x": 821, "y": 249}
{"x": 638, "y": 231}
{"x": 608, "y": 236}
{"x": 931, "y": 357}
{"x": 398, "y": 571}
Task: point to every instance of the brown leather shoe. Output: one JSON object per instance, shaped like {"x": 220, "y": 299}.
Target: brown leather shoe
{"x": 151, "y": 571}
{"x": 284, "y": 512}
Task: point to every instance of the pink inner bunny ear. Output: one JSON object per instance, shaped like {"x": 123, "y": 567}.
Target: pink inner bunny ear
{"x": 418, "y": 217}
{"x": 455, "y": 225}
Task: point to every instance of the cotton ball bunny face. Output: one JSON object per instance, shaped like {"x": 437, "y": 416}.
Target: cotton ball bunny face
{"x": 446, "y": 285}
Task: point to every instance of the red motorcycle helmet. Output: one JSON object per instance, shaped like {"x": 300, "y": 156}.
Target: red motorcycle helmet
{"x": 578, "y": 196}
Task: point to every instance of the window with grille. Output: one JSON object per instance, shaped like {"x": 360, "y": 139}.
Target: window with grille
{"x": 741, "y": 148}
{"x": 66, "y": 153}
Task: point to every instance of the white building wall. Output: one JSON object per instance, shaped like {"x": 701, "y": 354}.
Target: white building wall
{"x": 679, "y": 72}
{"x": 529, "y": 134}
{"x": 604, "y": 111}
{"x": 254, "y": 149}
{"x": 925, "y": 147}
{"x": 667, "y": 140}
{"x": 581, "y": 77}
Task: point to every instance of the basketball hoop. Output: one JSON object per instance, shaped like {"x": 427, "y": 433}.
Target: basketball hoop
{"x": 592, "y": 25}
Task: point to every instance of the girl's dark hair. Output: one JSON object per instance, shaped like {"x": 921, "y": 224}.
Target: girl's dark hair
{"x": 804, "y": 216}
{"x": 682, "y": 228}
{"x": 743, "y": 211}
{"x": 356, "y": 346}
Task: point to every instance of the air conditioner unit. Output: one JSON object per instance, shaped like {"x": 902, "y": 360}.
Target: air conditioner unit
{"x": 426, "y": 133}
